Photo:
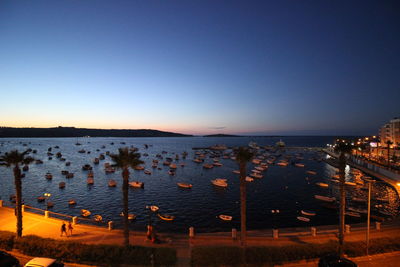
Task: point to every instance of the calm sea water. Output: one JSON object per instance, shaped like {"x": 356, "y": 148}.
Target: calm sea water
{"x": 289, "y": 189}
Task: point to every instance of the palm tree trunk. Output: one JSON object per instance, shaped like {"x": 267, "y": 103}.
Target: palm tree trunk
{"x": 125, "y": 176}
{"x": 342, "y": 166}
{"x": 388, "y": 150}
{"x": 243, "y": 217}
{"x": 18, "y": 193}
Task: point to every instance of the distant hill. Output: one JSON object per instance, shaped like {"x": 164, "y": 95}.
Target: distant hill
{"x": 80, "y": 132}
{"x": 221, "y": 135}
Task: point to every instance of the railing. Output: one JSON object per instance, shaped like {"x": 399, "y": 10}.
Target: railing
{"x": 59, "y": 216}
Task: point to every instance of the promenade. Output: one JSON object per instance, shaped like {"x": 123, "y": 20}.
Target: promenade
{"x": 36, "y": 224}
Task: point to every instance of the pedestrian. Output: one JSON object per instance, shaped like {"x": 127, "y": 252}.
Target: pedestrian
{"x": 70, "y": 228}
{"x": 63, "y": 229}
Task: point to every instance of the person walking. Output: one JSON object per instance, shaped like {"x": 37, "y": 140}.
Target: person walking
{"x": 64, "y": 229}
{"x": 70, "y": 228}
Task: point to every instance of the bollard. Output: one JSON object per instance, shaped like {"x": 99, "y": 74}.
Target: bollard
{"x": 23, "y": 208}
{"x": 378, "y": 226}
{"x": 347, "y": 228}
{"x": 275, "y": 233}
{"x": 191, "y": 232}
{"x": 234, "y": 233}
{"x": 1, "y": 203}
{"x": 110, "y": 225}
{"x": 74, "y": 220}
{"x": 313, "y": 231}
{"x": 46, "y": 214}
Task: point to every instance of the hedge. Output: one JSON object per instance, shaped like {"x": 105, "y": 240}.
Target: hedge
{"x": 103, "y": 255}
{"x": 271, "y": 255}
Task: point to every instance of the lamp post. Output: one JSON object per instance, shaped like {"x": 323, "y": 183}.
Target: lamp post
{"x": 47, "y": 195}
{"x": 370, "y": 181}
{"x": 274, "y": 213}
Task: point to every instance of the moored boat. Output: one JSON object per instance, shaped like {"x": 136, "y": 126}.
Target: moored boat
{"x": 166, "y": 217}
{"x": 308, "y": 213}
{"x": 112, "y": 183}
{"x": 85, "y": 213}
{"x": 136, "y": 184}
{"x": 225, "y": 217}
{"x": 97, "y": 218}
{"x": 304, "y": 219}
{"x": 219, "y": 182}
{"x": 325, "y": 198}
{"x": 184, "y": 185}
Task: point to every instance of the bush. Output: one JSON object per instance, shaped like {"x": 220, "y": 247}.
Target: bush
{"x": 105, "y": 255}
{"x": 271, "y": 255}
{"x": 6, "y": 240}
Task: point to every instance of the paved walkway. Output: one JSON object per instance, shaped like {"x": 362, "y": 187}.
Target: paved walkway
{"x": 50, "y": 227}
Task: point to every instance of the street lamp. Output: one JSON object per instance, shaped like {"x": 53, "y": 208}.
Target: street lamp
{"x": 47, "y": 195}
{"x": 274, "y": 213}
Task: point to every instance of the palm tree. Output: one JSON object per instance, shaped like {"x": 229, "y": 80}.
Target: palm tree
{"x": 14, "y": 159}
{"x": 342, "y": 148}
{"x": 123, "y": 160}
{"x": 388, "y": 143}
{"x": 243, "y": 156}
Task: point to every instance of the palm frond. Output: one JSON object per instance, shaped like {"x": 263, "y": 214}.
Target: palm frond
{"x": 243, "y": 154}
{"x": 125, "y": 159}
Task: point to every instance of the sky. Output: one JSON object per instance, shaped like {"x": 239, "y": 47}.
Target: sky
{"x": 201, "y": 67}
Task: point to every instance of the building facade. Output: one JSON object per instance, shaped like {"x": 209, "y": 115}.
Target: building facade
{"x": 390, "y": 132}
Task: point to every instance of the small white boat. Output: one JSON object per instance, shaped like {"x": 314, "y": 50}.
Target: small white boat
{"x": 311, "y": 172}
{"x": 324, "y": 185}
{"x": 97, "y": 218}
{"x": 308, "y": 213}
{"x": 300, "y": 165}
{"x": 208, "y": 166}
{"x": 249, "y": 179}
{"x": 147, "y": 172}
{"x": 236, "y": 172}
{"x": 154, "y": 208}
{"x": 136, "y": 184}
{"x": 139, "y": 168}
{"x": 172, "y": 166}
{"x": 184, "y": 185}
{"x": 219, "y": 182}
{"x": 256, "y": 175}
{"x": 85, "y": 213}
{"x": 71, "y": 202}
{"x": 225, "y": 217}
{"x": 304, "y": 219}
{"x": 112, "y": 183}
{"x": 166, "y": 217}
{"x": 325, "y": 198}
{"x": 217, "y": 164}
{"x": 282, "y": 164}
{"x": 131, "y": 216}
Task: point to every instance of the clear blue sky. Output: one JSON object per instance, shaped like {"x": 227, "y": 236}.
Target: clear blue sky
{"x": 256, "y": 67}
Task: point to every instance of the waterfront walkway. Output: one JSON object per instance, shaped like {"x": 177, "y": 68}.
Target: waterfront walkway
{"x": 393, "y": 182}
{"x": 50, "y": 227}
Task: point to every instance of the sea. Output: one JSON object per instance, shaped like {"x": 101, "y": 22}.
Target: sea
{"x": 276, "y": 200}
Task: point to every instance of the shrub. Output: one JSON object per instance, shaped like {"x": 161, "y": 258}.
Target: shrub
{"x": 6, "y": 240}
{"x": 105, "y": 255}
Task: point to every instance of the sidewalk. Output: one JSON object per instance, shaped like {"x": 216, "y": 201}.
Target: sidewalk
{"x": 50, "y": 228}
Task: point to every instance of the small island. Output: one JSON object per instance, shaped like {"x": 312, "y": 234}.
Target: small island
{"x": 221, "y": 135}
{"x": 81, "y": 132}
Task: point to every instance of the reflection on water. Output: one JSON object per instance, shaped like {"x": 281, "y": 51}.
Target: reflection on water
{"x": 289, "y": 189}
